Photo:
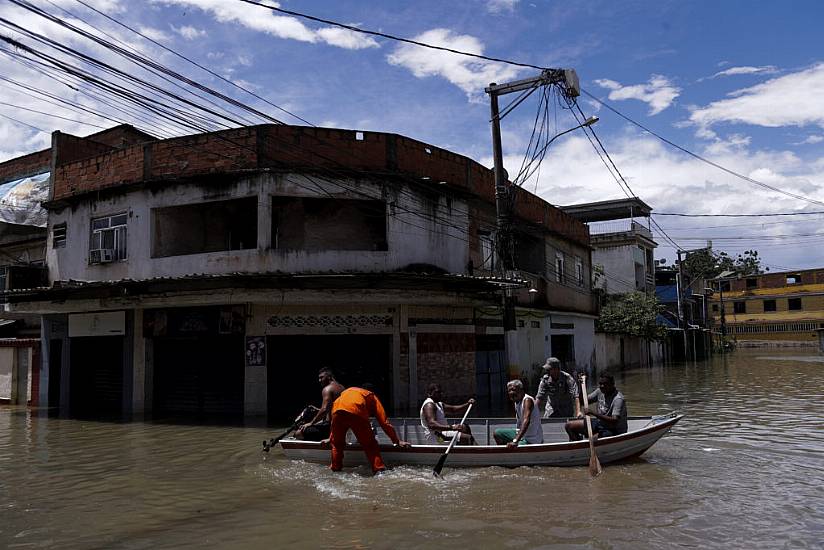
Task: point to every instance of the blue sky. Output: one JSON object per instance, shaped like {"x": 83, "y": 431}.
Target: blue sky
{"x": 739, "y": 83}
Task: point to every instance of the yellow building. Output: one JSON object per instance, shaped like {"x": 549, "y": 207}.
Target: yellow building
{"x": 787, "y": 306}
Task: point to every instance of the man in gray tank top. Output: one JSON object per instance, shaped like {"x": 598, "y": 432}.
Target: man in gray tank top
{"x": 528, "y": 429}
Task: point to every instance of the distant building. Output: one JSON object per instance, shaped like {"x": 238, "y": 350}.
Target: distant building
{"x": 623, "y": 246}
{"x": 623, "y": 261}
{"x": 786, "y": 307}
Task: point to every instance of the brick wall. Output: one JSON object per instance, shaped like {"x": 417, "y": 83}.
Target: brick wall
{"x": 330, "y": 152}
{"x": 449, "y": 360}
{"x": 778, "y": 280}
{"x": 27, "y": 165}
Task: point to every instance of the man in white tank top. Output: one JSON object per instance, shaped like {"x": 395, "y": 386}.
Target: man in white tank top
{"x": 433, "y": 419}
{"x": 528, "y": 429}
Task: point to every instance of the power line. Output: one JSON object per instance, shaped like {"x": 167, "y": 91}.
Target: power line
{"x": 389, "y": 36}
{"x": 684, "y": 215}
{"x": 51, "y": 115}
{"x": 181, "y": 56}
{"x": 699, "y": 157}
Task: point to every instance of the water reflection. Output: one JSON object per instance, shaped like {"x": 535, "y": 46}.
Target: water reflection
{"x": 743, "y": 469}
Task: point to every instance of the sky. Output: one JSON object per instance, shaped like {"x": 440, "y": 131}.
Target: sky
{"x": 738, "y": 83}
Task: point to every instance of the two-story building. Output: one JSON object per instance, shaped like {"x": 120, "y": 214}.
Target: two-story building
{"x": 214, "y": 274}
{"x": 772, "y": 308}
{"x": 623, "y": 251}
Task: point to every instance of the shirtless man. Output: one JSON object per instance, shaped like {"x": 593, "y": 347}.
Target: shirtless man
{"x": 318, "y": 427}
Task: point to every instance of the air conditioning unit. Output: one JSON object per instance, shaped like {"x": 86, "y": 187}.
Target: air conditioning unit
{"x": 101, "y": 256}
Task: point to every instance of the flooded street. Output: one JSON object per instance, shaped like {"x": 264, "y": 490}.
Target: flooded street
{"x": 744, "y": 469}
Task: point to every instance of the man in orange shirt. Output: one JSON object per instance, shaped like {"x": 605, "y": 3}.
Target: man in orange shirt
{"x": 351, "y": 411}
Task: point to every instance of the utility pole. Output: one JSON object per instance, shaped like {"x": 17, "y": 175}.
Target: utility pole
{"x": 569, "y": 80}
{"x": 679, "y": 287}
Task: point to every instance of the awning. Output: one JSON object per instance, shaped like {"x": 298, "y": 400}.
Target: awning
{"x": 20, "y": 200}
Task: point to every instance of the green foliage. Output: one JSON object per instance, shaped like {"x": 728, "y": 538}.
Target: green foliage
{"x": 707, "y": 264}
{"x": 634, "y": 314}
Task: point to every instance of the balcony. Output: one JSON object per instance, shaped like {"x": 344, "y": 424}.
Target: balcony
{"x": 631, "y": 227}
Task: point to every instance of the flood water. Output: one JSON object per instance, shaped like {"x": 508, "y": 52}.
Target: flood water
{"x": 744, "y": 469}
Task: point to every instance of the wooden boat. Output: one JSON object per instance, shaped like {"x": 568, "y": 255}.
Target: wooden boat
{"x": 556, "y": 450}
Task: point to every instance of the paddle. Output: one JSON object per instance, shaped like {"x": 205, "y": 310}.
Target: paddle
{"x": 594, "y": 465}
{"x": 274, "y": 441}
{"x": 441, "y": 461}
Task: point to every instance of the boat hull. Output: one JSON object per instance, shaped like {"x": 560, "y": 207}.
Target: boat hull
{"x": 609, "y": 449}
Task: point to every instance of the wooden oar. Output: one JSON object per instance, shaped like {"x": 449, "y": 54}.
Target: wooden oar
{"x": 594, "y": 464}
{"x": 274, "y": 441}
{"x": 441, "y": 461}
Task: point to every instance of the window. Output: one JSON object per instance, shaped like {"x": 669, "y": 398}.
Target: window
{"x": 108, "y": 239}
{"x": 739, "y": 307}
{"x": 559, "y": 267}
{"x": 59, "y": 235}
{"x": 328, "y": 224}
{"x": 769, "y": 305}
{"x": 793, "y": 279}
{"x": 794, "y": 304}
{"x": 752, "y": 283}
{"x": 213, "y": 226}
{"x": 724, "y": 286}
{"x": 579, "y": 271}
{"x": 487, "y": 243}
{"x": 715, "y": 307}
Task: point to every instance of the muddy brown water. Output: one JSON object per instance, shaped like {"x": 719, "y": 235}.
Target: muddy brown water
{"x": 744, "y": 469}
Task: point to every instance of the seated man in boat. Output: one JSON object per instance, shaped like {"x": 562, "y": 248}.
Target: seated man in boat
{"x": 558, "y": 392}
{"x": 528, "y": 429}
{"x": 610, "y": 417}
{"x": 351, "y": 411}
{"x": 318, "y": 427}
{"x": 433, "y": 419}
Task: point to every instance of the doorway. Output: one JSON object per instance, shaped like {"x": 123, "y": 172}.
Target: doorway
{"x": 294, "y": 362}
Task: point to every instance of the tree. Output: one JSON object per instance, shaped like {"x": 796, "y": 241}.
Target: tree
{"x": 707, "y": 264}
{"x": 634, "y": 314}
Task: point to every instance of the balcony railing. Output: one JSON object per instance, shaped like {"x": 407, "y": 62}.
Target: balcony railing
{"x": 619, "y": 226}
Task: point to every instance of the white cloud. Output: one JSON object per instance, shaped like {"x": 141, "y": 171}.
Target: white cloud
{"x": 810, "y": 140}
{"x": 264, "y": 20}
{"x": 469, "y": 74}
{"x": 666, "y": 180}
{"x": 188, "y": 32}
{"x": 659, "y": 92}
{"x": 733, "y": 71}
{"x": 789, "y": 100}
{"x": 155, "y": 34}
{"x": 500, "y": 6}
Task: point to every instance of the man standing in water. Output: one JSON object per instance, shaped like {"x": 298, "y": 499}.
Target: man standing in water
{"x": 558, "y": 391}
{"x": 318, "y": 427}
{"x": 610, "y": 417}
{"x": 351, "y": 411}
{"x": 528, "y": 428}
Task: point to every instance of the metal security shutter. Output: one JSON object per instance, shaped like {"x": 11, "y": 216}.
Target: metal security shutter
{"x": 96, "y": 388}
{"x": 199, "y": 376}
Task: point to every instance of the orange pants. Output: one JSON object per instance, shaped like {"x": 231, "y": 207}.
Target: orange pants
{"x": 343, "y": 421}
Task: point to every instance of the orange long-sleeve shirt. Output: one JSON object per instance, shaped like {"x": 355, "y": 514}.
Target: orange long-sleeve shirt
{"x": 364, "y": 403}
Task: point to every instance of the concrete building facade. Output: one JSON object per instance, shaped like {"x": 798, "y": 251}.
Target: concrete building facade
{"x": 212, "y": 275}
{"x": 772, "y": 308}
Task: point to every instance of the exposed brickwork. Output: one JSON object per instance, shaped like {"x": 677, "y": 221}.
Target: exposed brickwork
{"x": 778, "y": 280}
{"x": 121, "y": 136}
{"x": 27, "y": 165}
{"x": 329, "y": 151}
{"x": 454, "y": 371}
{"x": 445, "y": 343}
